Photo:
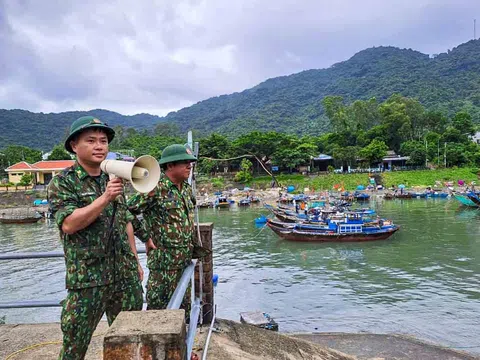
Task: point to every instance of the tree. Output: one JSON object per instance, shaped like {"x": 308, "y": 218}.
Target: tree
{"x": 336, "y": 112}
{"x": 346, "y": 156}
{"x": 364, "y": 114}
{"x": 416, "y": 151}
{"x": 16, "y": 153}
{"x": 462, "y": 121}
{"x": 245, "y": 173}
{"x": 435, "y": 121}
{"x": 215, "y": 146}
{"x": 167, "y": 129}
{"x": 26, "y": 179}
{"x": 59, "y": 153}
{"x": 374, "y": 152}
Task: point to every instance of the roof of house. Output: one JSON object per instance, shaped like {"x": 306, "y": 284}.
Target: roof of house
{"x": 41, "y": 165}
{"x": 53, "y": 164}
{"x": 396, "y": 158}
{"x": 323, "y": 157}
{"x": 19, "y": 166}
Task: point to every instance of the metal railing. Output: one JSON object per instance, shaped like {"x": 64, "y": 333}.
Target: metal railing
{"x": 195, "y": 304}
{"x": 175, "y": 302}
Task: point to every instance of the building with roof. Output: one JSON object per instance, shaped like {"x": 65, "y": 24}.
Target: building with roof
{"x": 322, "y": 162}
{"x": 43, "y": 171}
{"x": 394, "y": 160}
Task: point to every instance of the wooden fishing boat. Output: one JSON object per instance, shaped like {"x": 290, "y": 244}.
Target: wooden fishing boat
{"x": 404, "y": 195}
{"x": 283, "y": 216}
{"x": 205, "y": 204}
{"x": 222, "y": 202}
{"x": 28, "y": 220}
{"x": 333, "y": 232}
{"x": 19, "y": 216}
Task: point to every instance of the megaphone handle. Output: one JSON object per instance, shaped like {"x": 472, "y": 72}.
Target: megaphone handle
{"x": 111, "y": 177}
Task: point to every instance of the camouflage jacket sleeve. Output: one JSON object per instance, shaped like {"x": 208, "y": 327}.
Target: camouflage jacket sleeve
{"x": 137, "y": 205}
{"x": 62, "y": 199}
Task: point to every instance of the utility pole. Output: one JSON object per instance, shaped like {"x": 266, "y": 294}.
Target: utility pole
{"x": 426, "y": 153}
{"x": 474, "y": 29}
{"x": 445, "y": 155}
{"x": 438, "y": 152}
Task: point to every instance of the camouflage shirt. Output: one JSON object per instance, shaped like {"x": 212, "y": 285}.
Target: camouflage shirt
{"x": 90, "y": 258}
{"x": 168, "y": 219}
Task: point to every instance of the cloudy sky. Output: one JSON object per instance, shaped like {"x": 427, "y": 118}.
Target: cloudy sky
{"x": 158, "y": 56}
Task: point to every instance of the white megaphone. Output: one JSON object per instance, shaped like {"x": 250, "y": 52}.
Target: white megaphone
{"x": 143, "y": 173}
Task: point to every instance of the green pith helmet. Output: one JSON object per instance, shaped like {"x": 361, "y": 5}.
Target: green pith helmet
{"x": 176, "y": 152}
{"x": 84, "y": 123}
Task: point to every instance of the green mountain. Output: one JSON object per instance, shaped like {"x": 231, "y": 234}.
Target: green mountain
{"x": 448, "y": 82}
{"x": 43, "y": 131}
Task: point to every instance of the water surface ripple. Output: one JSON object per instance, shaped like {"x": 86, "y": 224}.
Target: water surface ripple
{"x": 424, "y": 281}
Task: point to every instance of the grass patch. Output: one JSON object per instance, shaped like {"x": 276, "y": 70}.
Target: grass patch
{"x": 351, "y": 181}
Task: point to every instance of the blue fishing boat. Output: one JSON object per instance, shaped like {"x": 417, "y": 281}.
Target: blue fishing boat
{"x": 441, "y": 195}
{"x": 244, "y": 202}
{"x": 464, "y": 200}
{"x": 222, "y": 202}
{"x": 349, "y": 227}
{"x": 359, "y": 196}
{"x": 261, "y": 220}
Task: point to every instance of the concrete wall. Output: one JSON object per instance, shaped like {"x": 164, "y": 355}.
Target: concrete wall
{"x": 14, "y": 177}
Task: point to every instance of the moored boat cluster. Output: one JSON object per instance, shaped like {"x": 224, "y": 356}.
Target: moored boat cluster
{"x": 325, "y": 220}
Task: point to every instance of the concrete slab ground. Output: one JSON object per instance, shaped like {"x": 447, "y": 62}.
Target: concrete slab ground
{"x": 42, "y": 341}
{"x": 384, "y": 347}
{"x": 235, "y": 341}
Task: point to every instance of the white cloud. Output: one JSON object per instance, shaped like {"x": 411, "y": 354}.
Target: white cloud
{"x": 155, "y": 56}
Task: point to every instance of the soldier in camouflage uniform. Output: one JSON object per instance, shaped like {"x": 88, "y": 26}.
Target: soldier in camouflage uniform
{"x": 167, "y": 226}
{"x": 102, "y": 269}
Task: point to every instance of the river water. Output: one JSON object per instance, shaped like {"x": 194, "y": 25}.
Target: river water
{"x": 424, "y": 281}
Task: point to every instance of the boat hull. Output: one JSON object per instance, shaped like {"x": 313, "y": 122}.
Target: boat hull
{"x": 223, "y": 205}
{"x": 291, "y": 234}
{"x": 19, "y": 221}
{"x": 465, "y": 200}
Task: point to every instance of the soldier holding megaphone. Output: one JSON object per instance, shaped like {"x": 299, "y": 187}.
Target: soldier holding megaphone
{"x": 102, "y": 269}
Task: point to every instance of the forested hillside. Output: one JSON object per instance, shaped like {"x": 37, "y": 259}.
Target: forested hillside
{"x": 43, "y": 131}
{"x": 449, "y": 82}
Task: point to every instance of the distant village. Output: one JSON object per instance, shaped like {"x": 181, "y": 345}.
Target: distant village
{"x": 43, "y": 171}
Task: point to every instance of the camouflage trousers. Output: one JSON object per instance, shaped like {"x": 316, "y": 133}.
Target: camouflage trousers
{"x": 84, "y": 308}
{"x": 161, "y": 285}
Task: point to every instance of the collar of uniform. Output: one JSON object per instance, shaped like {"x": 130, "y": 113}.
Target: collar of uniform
{"x": 81, "y": 172}
{"x": 169, "y": 183}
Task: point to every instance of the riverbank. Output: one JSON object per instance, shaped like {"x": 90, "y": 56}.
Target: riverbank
{"x": 418, "y": 178}
{"x": 13, "y": 199}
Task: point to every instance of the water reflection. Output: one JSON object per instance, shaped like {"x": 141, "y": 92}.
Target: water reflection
{"x": 423, "y": 281}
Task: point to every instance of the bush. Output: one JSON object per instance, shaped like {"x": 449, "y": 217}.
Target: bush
{"x": 217, "y": 183}
{"x": 26, "y": 179}
{"x": 245, "y": 174}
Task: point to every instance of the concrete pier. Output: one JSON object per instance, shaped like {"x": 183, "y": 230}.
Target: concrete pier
{"x": 235, "y": 341}
{"x": 139, "y": 335}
